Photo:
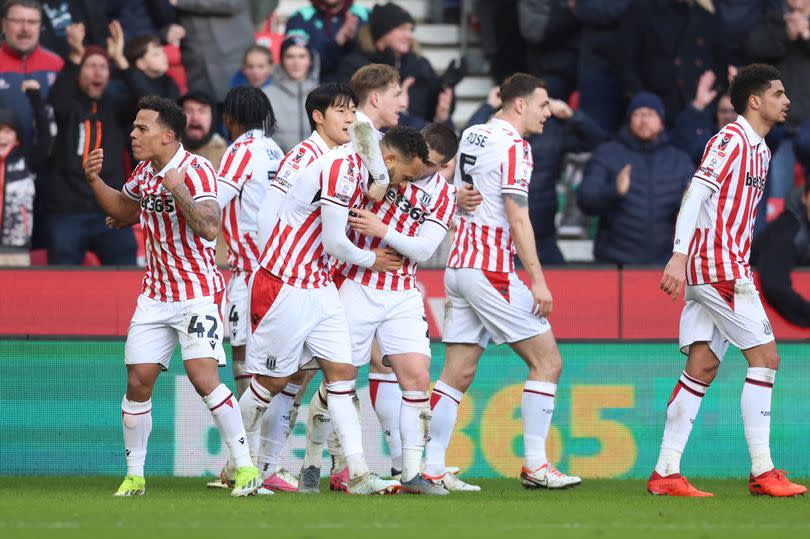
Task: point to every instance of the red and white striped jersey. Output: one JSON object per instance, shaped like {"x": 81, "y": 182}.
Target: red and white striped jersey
{"x": 294, "y": 252}
{"x": 495, "y": 159}
{"x": 298, "y": 158}
{"x": 406, "y": 208}
{"x": 248, "y": 167}
{"x": 180, "y": 265}
{"x": 734, "y": 166}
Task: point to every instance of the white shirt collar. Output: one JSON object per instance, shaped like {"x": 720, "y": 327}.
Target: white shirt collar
{"x": 503, "y": 124}
{"x": 174, "y": 162}
{"x": 753, "y": 137}
{"x": 319, "y": 142}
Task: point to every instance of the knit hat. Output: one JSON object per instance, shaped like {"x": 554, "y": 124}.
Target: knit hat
{"x": 198, "y": 96}
{"x": 647, "y": 100}
{"x": 386, "y": 17}
{"x": 294, "y": 40}
{"x": 9, "y": 117}
{"x": 90, "y": 50}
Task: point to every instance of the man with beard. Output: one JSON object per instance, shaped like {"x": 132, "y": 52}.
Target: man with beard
{"x": 199, "y": 136}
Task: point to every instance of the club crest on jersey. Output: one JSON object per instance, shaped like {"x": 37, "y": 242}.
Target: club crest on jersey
{"x": 195, "y": 165}
{"x": 724, "y": 142}
{"x": 425, "y": 198}
{"x": 300, "y": 155}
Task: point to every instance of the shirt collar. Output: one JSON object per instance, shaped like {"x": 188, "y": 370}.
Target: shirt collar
{"x": 250, "y": 133}
{"x": 174, "y": 162}
{"x": 316, "y": 138}
{"x": 503, "y": 124}
{"x": 753, "y": 137}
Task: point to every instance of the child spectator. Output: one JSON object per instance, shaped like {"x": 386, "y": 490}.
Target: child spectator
{"x": 151, "y": 64}
{"x": 257, "y": 66}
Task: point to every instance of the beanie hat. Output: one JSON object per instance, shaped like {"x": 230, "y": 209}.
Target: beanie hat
{"x": 647, "y": 100}
{"x": 386, "y": 17}
{"x": 90, "y": 50}
{"x": 198, "y": 96}
{"x": 294, "y": 40}
{"x": 9, "y": 117}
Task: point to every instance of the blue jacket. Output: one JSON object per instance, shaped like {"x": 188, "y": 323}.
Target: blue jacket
{"x": 636, "y": 228}
{"x": 321, "y": 31}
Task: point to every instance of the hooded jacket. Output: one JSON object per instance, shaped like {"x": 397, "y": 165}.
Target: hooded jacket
{"x": 287, "y": 98}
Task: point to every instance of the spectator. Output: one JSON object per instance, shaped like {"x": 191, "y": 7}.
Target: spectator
{"x": 293, "y": 79}
{"x": 740, "y": 17}
{"x": 257, "y": 66}
{"x": 667, "y": 46}
{"x": 502, "y": 46}
{"x": 200, "y": 136}
{"x": 388, "y": 39}
{"x": 260, "y": 10}
{"x": 88, "y": 117}
{"x": 782, "y": 38}
{"x": 217, "y": 34}
{"x": 59, "y": 14}
{"x": 331, "y": 27}
{"x": 634, "y": 184}
{"x": 551, "y": 32}
{"x": 566, "y": 131}
{"x": 598, "y": 75}
{"x": 18, "y": 170}
{"x": 149, "y": 59}
{"x": 699, "y": 121}
{"x": 147, "y": 17}
{"x": 782, "y": 246}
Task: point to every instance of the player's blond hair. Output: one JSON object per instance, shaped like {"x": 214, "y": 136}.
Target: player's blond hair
{"x": 372, "y": 78}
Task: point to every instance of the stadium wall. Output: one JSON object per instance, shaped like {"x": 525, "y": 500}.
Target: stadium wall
{"x": 60, "y": 397}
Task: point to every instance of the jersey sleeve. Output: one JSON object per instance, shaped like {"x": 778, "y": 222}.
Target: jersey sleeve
{"x": 339, "y": 182}
{"x": 718, "y": 160}
{"x": 234, "y": 169}
{"x": 444, "y": 208}
{"x": 132, "y": 187}
{"x": 516, "y": 170}
{"x": 293, "y": 163}
{"x": 201, "y": 180}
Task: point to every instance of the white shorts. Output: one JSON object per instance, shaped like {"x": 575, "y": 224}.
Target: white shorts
{"x": 290, "y": 326}
{"x": 723, "y": 313}
{"x": 157, "y": 327}
{"x": 396, "y": 317}
{"x": 483, "y": 305}
{"x": 238, "y": 310}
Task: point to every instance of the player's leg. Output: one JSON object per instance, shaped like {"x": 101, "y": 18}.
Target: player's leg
{"x": 386, "y": 399}
{"x": 319, "y": 428}
{"x": 238, "y": 313}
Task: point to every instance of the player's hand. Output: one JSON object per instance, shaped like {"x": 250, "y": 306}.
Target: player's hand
{"x": 468, "y": 198}
{"x": 674, "y": 279}
{"x": 387, "y": 260}
{"x": 543, "y": 302}
{"x": 174, "y": 178}
{"x": 115, "y": 224}
{"x": 365, "y": 222}
{"x": 623, "y": 179}
{"x": 92, "y": 165}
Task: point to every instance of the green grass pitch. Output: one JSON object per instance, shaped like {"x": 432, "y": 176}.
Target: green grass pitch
{"x": 182, "y": 507}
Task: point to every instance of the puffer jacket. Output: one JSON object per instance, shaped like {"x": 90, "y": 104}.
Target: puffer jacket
{"x": 288, "y": 98}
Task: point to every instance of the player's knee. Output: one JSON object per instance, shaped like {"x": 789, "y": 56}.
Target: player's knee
{"x": 772, "y": 361}
{"x": 299, "y": 378}
{"x": 338, "y": 372}
{"x": 416, "y": 381}
{"x": 204, "y": 383}
{"x": 706, "y": 372}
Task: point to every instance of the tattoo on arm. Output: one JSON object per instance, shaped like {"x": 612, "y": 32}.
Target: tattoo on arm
{"x": 522, "y": 201}
{"x": 203, "y": 217}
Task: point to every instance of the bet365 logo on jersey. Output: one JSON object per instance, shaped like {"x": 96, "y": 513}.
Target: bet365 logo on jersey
{"x": 755, "y": 181}
{"x": 157, "y": 203}
{"x": 404, "y": 205}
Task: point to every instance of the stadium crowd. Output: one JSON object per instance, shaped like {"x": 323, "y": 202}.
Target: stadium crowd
{"x": 638, "y": 85}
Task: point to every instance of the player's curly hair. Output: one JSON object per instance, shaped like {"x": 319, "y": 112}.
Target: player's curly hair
{"x": 407, "y": 141}
{"x": 250, "y": 107}
{"x": 752, "y": 79}
{"x": 169, "y": 113}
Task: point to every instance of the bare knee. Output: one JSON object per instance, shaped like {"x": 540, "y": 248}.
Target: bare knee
{"x": 139, "y": 389}
{"x": 460, "y": 377}
{"x": 338, "y": 372}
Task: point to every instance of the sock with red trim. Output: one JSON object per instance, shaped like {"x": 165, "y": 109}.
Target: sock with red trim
{"x": 444, "y": 402}
{"x": 756, "y": 414}
{"x": 386, "y": 399}
{"x": 414, "y": 424}
{"x": 253, "y": 403}
{"x": 537, "y": 407}
{"x": 682, "y": 410}
{"x": 319, "y": 426}
{"x": 346, "y": 422}
{"x": 273, "y": 430}
{"x": 228, "y": 419}
{"x": 136, "y": 418}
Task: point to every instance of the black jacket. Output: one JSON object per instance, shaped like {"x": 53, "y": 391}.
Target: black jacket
{"x": 84, "y": 124}
{"x": 783, "y": 245}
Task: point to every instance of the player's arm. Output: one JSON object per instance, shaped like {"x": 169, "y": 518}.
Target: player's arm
{"x": 268, "y": 213}
{"x": 520, "y": 227}
{"x": 116, "y": 204}
{"x": 335, "y": 242}
{"x": 225, "y": 193}
{"x": 418, "y": 248}
{"x": 203, "y": 216}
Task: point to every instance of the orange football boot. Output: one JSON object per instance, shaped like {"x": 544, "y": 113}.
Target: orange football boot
{"x": 774, "y": 483}
{"x": 673, "y": 485}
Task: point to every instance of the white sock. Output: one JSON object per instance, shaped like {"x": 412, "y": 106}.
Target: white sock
{"x": 254, "y": 403}
{"x": 296, "y": 406}
{"x": 682, "y": 411}
{"x": 414, "y": 424}
{"x": 756, "y": 413}
{"x": 537, "y": 407}
{"x": 241, "y": 378}
{"x": 346, "y": 423}
{"x": 444, "y": 402}
{"x": 273, "y": 430}
{"x": 386, "y": 399}
{"x": 319, "y": 427}
{"x": 136, "y": 418}
{"x": 335, "y": 451}
{"x": 228, "y": 419}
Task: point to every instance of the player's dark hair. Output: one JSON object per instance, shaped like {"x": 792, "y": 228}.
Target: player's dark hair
{"x": 519, "y": 85}
{"x": 407, "y": 141}
{"x": 31, "y": 4}
{"x": 331, "y": 94}
{"x": 371, "y": 78}
{"x": 260, "y": 49}
{"x": 752, "y": 79}
{"x": 136, "y": 47}
{"x": 441, "y": 139}
{"x": 169, "y": 113}
{"x": 250, "y": 107}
